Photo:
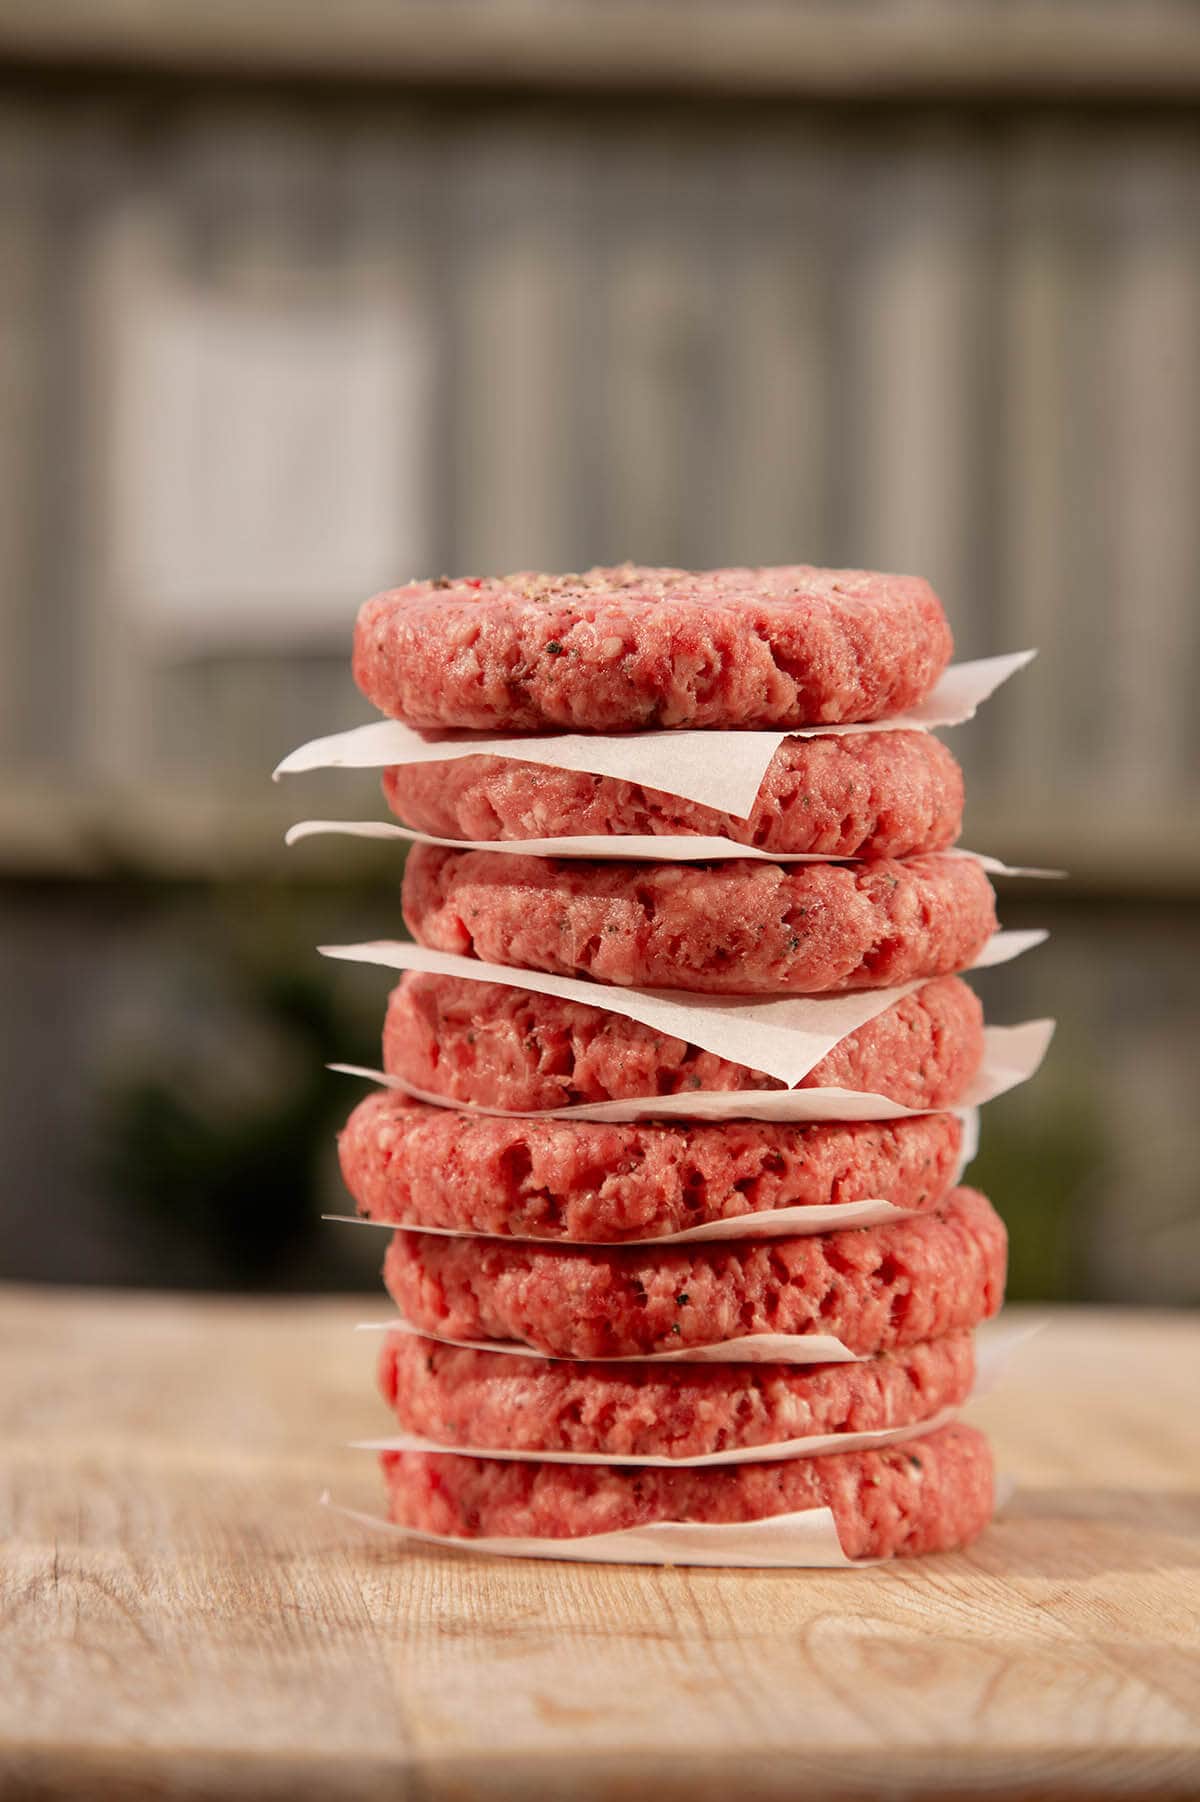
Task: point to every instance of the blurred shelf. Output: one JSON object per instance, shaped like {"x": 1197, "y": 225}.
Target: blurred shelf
{"x": 184, "y": 833}
{"x": 1019, "y": 51}
{"x": 155, "y": 833}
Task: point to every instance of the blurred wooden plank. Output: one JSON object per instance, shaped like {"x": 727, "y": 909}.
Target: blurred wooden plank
{"x": 182, "y": 1620}
{"x": 1036, "y": 320}
{"x": 772, "y": 501}
{"x": 660, "y": 358}
{"x": 1154, "y": 459}
{"x": 913, "y": 295}
{"x": 23, "y": 424}
{"x": 1072, "y": 49}
{"x": 511, "y": 318}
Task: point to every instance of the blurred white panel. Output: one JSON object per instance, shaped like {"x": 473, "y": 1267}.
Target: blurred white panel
{"x": 269, "y": 450}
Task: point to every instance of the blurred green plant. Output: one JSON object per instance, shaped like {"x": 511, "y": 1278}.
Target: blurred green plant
{"x": 1040, "y": 1151}
{"x": 217, "y": 1147}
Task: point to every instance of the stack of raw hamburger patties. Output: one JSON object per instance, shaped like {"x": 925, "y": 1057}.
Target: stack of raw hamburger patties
{"x": 543, "y": 1228}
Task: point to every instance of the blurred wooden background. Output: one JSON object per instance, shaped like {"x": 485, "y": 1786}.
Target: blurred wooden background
{"x": 297, "y": 303}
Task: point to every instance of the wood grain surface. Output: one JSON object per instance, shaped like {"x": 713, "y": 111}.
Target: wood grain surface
{"x": 178, "y": 1617}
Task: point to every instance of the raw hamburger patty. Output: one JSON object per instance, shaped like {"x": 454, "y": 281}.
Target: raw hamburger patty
{"x": 484, "y": 1044}
{"x": 873, "y": 1288}
{"x": 930, "y": 1495}
{"x": 732, "y": 928}
{"x": 498, "y": 1402}
{"x": 873, "y": 794}
{"x": 631, "y": 647}
{"x": 579, "y": 1180}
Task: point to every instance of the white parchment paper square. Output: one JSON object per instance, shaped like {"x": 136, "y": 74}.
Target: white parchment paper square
{"x": 715, "y": 768}
{"x": 784, "y": 1036}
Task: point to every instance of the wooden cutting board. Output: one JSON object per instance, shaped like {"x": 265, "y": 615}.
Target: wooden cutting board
{"x": 178, "y": 1617}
